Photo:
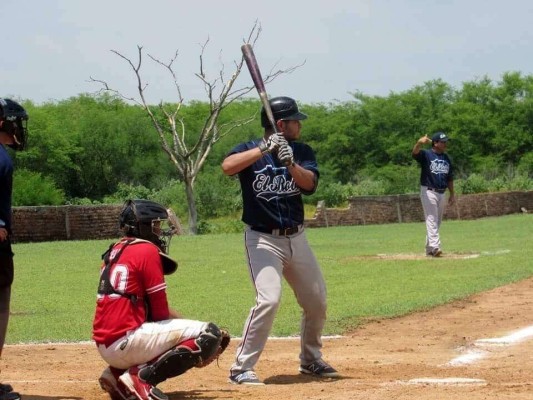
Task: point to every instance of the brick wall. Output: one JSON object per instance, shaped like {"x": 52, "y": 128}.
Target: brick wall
{"x": 365, "y": 210}
{"x": 40, "y": 224}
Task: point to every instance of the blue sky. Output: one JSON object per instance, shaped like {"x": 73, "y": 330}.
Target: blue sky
{"x": 52, "y": 47}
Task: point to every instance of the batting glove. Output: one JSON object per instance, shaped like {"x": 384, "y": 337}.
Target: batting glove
{"x": 285, "y": 155}
{"x": 272, "y": 144}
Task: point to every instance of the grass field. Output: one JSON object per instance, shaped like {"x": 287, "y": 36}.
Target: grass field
{"x": 55, "y": 283}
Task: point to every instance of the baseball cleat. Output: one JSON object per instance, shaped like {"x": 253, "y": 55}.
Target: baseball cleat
{"x": 109, "y": 383}
{"x": 245, "y": 378}
{"x": 141, "y": 389}
{"x": 319, "y": 368}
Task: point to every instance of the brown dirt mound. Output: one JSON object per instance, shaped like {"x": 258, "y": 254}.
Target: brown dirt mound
{"x": 403, "y": 358}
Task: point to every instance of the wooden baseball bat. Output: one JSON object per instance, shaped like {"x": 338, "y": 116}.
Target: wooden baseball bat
{"x": 255, "y": 72}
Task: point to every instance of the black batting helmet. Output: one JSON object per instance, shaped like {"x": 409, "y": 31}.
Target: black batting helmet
{"x": 13, "y": 120}
{"x": 283, "y": 108}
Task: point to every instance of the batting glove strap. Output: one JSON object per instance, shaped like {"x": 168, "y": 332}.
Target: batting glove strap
{"x": 285, "y": 155}
{"x": 263, "y": 147}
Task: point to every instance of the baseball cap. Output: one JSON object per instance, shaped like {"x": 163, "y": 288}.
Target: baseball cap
{"x": 439, "y": 137}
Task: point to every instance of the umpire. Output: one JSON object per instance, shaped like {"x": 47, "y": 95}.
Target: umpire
{"x": 274, "y": 171}
{"x": 13, "y": 120}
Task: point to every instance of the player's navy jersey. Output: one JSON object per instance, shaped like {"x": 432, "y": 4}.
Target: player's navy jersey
{"x": 436, "y": 169}
{"x": 137, "y": 272}
{"x": 271, "y": 198}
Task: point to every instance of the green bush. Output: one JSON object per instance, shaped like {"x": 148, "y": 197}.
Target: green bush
{"x": 474, "y": 183}
{"x": 221, "y": 225}
{"x": 126, "y": 191}
{"x": 217, "y": 195}
{"x": 173, "y": 195}
{"x": 34, "y": 189}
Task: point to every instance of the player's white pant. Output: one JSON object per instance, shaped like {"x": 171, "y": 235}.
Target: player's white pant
{"x": 433, "y": 204}
{"x": 149, "y": 341}
{"x": 270, "y": 258}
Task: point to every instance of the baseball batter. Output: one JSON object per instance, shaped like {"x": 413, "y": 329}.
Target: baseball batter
{"x": 274, "y": 172}
{"x": 436, "y": 175}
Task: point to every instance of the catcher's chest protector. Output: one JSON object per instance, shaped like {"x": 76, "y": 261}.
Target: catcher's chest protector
{"x": 110, "y": 258}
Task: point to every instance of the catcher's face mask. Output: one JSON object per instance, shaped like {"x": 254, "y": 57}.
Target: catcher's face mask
{"x": 164, "y": 229}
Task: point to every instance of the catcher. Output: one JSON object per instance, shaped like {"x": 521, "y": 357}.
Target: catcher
{"x": 143, "y": 340}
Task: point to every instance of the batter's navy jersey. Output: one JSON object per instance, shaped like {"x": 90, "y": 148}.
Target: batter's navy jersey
{"x": 436, "y": 169}
{"x": 271, "y": 198}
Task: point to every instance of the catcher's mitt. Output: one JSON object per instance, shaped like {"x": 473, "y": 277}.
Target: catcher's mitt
{"x": 224, "y": 343}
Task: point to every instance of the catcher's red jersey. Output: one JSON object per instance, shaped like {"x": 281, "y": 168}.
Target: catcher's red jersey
{"x": 138, "y": 272}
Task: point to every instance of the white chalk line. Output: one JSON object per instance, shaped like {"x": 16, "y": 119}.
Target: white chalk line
{"x": 445, "y": 381}
{"x": 478, "y": 350}
{"x": 473, "y": 353}
{"x": 51, "y": 344}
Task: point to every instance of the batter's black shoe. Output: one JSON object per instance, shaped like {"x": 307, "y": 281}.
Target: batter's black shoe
{"x": 10, "y": 396}
{"x": 319, "y": 368}
{"x": 5, "y": 388}
{"x": 7, "y": 393}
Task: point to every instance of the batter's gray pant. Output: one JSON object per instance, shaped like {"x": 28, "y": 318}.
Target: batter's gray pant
{"x": 269, "y": 259}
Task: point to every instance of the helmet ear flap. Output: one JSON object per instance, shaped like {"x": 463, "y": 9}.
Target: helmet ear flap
{"x": 128, "y": 221}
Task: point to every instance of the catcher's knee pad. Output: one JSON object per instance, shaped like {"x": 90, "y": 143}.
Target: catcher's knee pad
{"x": 209, "y": 340}
{"x": 184, "y": 356}
{"x": 174, "y": 362}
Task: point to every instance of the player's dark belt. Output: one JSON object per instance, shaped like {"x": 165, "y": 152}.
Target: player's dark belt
{"x": 277, "y": 232}
{"x": 437, "y": 190}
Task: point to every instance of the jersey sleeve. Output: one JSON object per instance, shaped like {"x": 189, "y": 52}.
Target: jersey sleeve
{"x": 155, "y": 285}
{"x": 307, "y": 160}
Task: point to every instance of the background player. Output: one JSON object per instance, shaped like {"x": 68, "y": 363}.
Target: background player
{"x": 137, "y": 334}
{"x": 13, "y": 119}
{"x": 274, "y": 172}
{"x": 436, "y": 175}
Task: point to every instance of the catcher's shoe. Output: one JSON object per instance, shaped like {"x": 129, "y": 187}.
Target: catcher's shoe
{"x": 109, "y": 382}
{"x": 319, "y": 368}
{"x": 141, "y": 389}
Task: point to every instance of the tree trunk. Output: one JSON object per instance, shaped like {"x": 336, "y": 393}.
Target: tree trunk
{"x": 193, "y": 214}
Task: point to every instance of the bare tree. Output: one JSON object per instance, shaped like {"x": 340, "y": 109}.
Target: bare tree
{"x": 188, "y": 159}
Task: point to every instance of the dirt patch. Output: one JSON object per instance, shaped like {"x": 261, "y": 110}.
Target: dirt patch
{"x": 403, "y": 358}
{"x": 421, "y": 256}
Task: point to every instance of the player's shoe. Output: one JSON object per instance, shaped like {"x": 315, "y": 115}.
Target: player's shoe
{"x": 141, "y": 389}
{"x": 109, "y": 382}
{"x": 319, "y": 368}
{"x": 10, "y": 396}
{"x": 436, "y": 252}
{"x": 7, "y": 393}
{"x": 5, "y": 388}
{"x": 245, "y": 378}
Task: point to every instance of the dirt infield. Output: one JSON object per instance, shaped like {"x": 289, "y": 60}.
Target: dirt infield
{"x": 439, "y": 354}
